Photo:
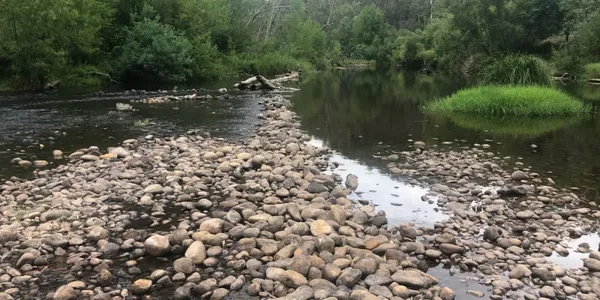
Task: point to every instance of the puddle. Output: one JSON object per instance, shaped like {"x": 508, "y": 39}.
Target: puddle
{"x": 401, "y": 202}
{"x": 574, "y": 259}
{"x": 460, "y": 283}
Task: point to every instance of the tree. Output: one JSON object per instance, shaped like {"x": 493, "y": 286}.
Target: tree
{"x": 155, "y": 52}
{"x": 63, "y": 33}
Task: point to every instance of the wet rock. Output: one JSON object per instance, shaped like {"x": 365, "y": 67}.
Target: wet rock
{"x": 316, "y": 188}
{"x": 89, "y": 157}
{"x": 525, "y": 214}
{"x": 543, "y": 274}
{"x": 55, "y": 214}
{"x": 447, "y": 294}
{"x": 519, "y": 272}
{"x": 414, "y": 278}
{"x": 450, "y": 249}
{"x": 40, "y": 163}
{"x": 65, "y": 292}
{"x": 141, "y": 286}
{"x": 491, "y": 234}
{"x": 302, "y": 293}
{"x": 408, "y": 232}
{"x": 351, "y": 182}
{"x": 219, "y": 294}
{"x": 592, "y": 264}
{"x": 519, "y": 175}
{"x": 289, "y": 278}
{"x": 178, "y": 236}
{"x": 212, "y": 225}
{"x": 184, "y": 265}
{"x": 548, "y": 292}
{"x": 97, "y": 233}
{"x": 157, "y": 245}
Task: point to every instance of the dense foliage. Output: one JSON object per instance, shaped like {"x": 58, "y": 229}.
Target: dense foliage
{"x": 46, "y": 41}
{"x": 509, "y": 100}
{"x": 517, "y": 70}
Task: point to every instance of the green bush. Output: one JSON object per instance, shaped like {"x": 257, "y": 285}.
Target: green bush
{"x": 155, "y": 52}
{"x": 591, "y": 71}
{"x": 518, "y": 70}
{"x": 509, "y": 100}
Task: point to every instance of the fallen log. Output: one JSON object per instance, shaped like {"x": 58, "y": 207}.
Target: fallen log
{"x": 594, "y": 80}
{"x": 260, "y": 82}
{"x": 291, "y": 77}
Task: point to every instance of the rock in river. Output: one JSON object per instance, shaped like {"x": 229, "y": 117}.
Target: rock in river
{"x": 414, "y": 278}
{"x": 157, "y": 245}
{"x": 352, "y": 182}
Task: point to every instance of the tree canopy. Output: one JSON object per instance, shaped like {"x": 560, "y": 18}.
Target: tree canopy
{"x": 179, "y": 40}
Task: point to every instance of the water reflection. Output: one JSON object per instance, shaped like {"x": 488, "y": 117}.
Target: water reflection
{"x": 400, "y": 201}
{"x": 574, "y": 259}
{"x": 362, "y": 113}
{"x": 512, "y": 126}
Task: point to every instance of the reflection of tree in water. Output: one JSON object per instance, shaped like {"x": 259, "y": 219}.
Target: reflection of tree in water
{"x": 346, "y": 105}
{"x": 583, "y": 90}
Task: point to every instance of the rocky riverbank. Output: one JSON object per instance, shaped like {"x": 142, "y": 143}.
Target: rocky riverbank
{"x": 196, "y": 217}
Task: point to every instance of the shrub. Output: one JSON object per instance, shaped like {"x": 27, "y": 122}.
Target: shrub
{"x": 509, "y": 100}
{"x": 518, "y": 70}
{"x": 591, "y": 71}
{"x": 155, "y": 52}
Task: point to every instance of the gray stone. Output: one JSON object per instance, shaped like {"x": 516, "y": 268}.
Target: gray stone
{"x": 157, "y": 245}
{"x": 316, "y": 188}
{"x": 351, "y": 182}
{"x": 184, "y": 265}
{"x": 414, "y": 279}
{"x": 349, "y": 277}
{"x": 154, "y": 189}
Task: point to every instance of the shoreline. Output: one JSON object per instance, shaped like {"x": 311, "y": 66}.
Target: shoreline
{"x": 262, "y": 208}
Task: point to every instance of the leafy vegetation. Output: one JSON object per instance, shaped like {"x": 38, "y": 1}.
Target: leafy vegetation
{"x": 517, "y": 70}
{"x": 75, "y": 41}
{"x": 509, "y": 100}
{"x": 591, "y": 71}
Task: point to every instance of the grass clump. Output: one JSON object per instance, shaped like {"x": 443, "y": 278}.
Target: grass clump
{"x": 142, "y": 123}
{"x": 591, "y": 71}
{"x": 518, "y": 70}
{"x": 509, "y": 100}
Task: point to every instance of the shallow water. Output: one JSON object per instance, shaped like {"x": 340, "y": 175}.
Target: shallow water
{"x": 362, "y": 114}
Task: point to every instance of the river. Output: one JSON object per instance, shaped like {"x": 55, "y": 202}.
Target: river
{"x": 361, "y": 115}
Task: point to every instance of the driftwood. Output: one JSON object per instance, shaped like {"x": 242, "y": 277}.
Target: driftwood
{"x": 563, "y": 78}
{"x": 594, "y": 80}
{"x": 260, "y": 82}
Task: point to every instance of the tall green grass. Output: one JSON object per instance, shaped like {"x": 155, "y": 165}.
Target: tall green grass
{"x": 591, "y": 71}
{"x": 510, "y": 100}
{"x": 518, "y": 70}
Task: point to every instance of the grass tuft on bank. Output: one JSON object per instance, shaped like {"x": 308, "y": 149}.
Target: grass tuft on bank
{"x": 518, "y": 70}
{"x": 591, "y": 71}
{"x": 509, "y": 100}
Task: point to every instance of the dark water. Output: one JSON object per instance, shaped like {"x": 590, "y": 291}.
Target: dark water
{"x": 362, "y": 114}
{"x": 71, "y": 122}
